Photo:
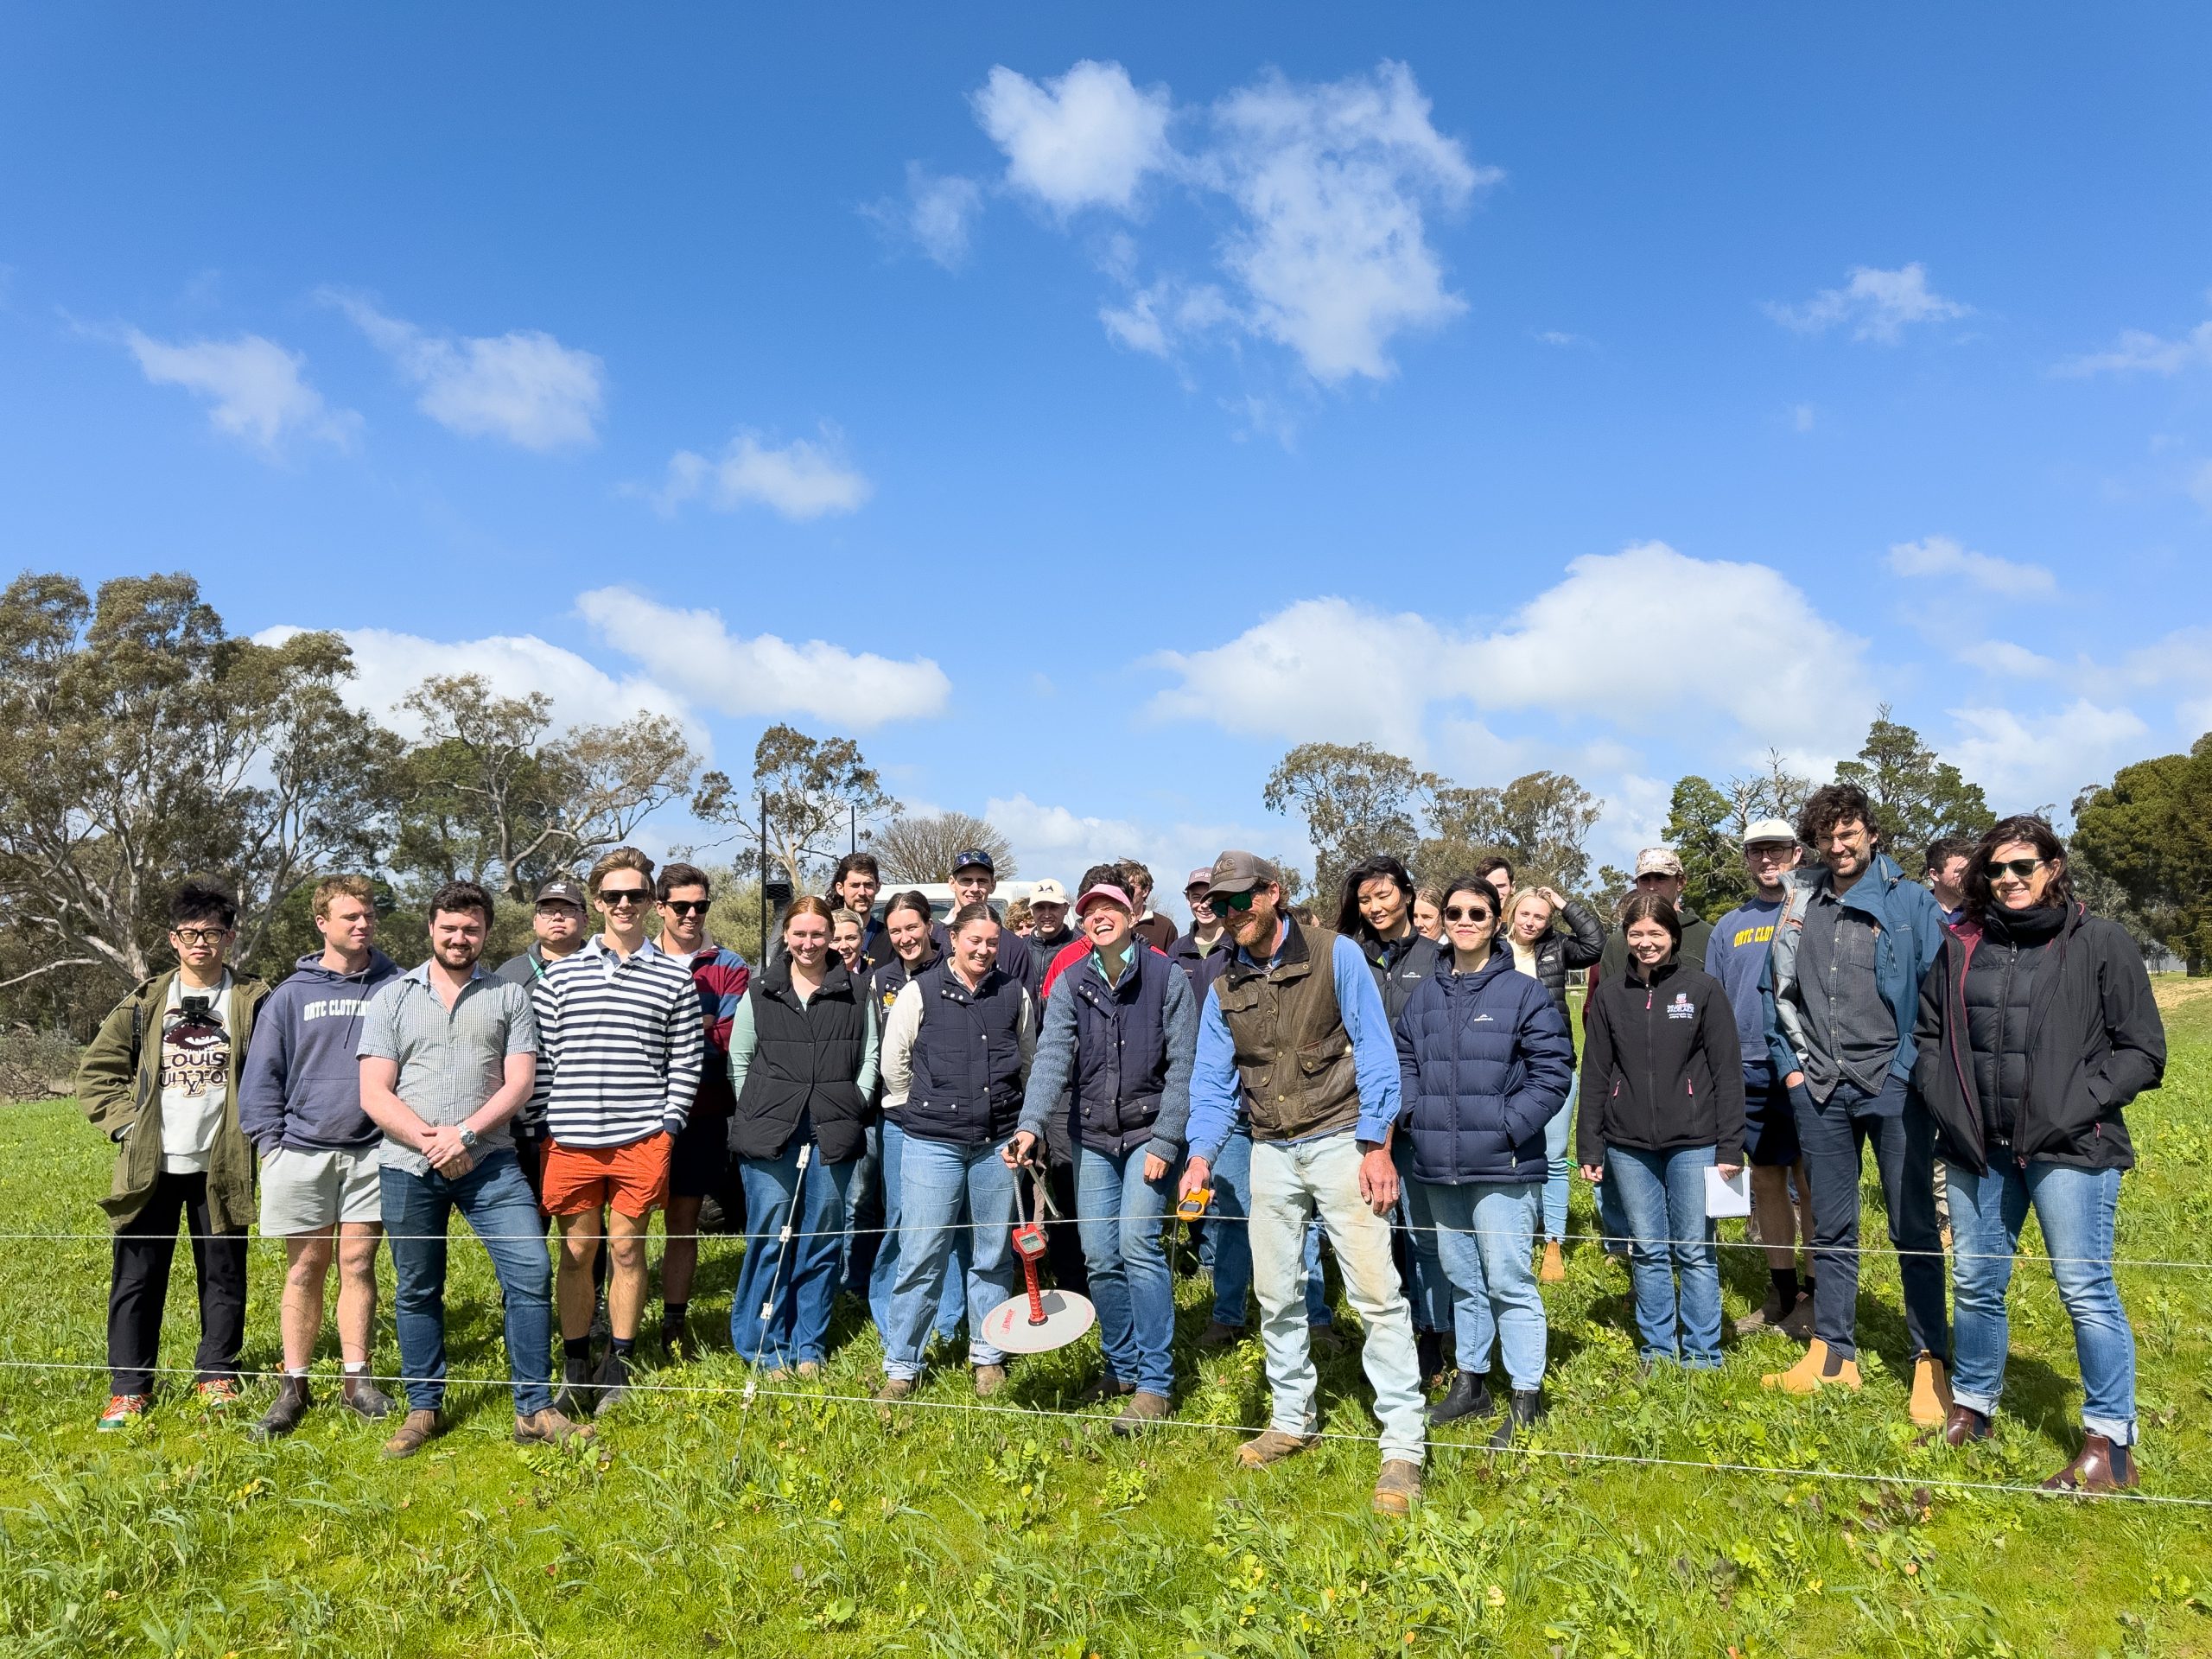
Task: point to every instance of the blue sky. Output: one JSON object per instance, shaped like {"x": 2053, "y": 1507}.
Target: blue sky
{"x": 1081, "y": 405}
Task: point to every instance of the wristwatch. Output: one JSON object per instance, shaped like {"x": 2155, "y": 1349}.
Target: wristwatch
{"x": 467, "y": 1138}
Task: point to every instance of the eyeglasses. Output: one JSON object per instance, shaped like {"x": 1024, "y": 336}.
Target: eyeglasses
{"x": 613, "y": 896}
{"x": 1230, "y": 900}
{"x": 684, "y": 906}
{"x": 2020, "y": 867}
{"x": 1468, "y": 913}
{"x": 200, "y": 934}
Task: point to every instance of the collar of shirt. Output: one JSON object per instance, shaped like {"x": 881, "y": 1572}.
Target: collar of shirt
{"x": 1128, "y": 962}
{"x": 421, "y": 972}
{"x": 596, "y": 947}
{"x": 1282, "y": 937}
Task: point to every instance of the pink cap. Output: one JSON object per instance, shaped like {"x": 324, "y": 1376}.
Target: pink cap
{"x": 1110, "y": 894}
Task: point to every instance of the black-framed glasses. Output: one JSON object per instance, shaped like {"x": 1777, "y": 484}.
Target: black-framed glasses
{"x": 613, "y": 896}
{"x": 684, "y": 907}
{"x": 2020, "y": 867}
{"x": 1468, "y": 913}
{"x": 1230, "y": 900}
{"x": 201, "y": 934}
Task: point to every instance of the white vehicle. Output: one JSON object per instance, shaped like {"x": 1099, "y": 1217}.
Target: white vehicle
{"x": 942, "y": 901}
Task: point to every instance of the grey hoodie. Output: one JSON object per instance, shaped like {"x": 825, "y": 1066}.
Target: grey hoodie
{"x": 300, "y": 1085}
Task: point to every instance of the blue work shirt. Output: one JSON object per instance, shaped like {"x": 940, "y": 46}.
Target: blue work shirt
{"x": 1217, "y": 1090}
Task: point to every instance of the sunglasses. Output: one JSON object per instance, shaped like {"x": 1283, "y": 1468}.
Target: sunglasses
{"x": 684, "y": 906}
{"x": 613, "y": 896}
{"x": 1230, "y": 900}
{"x": 2021, "y": 867}
{"x": 1468, "y": 913}
{"x": 201, "y": 934}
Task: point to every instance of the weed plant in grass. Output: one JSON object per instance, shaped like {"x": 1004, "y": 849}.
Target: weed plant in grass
{"x": 697, "y": 1526}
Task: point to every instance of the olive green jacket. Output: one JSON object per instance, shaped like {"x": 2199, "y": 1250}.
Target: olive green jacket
{"x": 119, "y": 1086}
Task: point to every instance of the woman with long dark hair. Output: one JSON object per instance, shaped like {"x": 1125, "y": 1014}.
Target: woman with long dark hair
{"x": 2036, "y": 1028}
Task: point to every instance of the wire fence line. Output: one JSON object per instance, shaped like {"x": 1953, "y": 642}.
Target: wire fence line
{"x": 749, "y": 1394}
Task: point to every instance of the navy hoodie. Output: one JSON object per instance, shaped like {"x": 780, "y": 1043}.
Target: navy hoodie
{"x": 300, "y": 1084}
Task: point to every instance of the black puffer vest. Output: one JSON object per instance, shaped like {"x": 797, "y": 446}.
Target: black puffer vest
{"x": 805, "y": 1067}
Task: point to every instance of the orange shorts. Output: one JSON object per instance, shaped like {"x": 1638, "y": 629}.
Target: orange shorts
{"x": 634, "y": 1179}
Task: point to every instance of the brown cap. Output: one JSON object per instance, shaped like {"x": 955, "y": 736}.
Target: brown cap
{"x": 1236, "y": 872}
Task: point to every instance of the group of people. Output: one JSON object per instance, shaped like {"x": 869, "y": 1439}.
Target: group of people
{"x": 1403, "y": 1085}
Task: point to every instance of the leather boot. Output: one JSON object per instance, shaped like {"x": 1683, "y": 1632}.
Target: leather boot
{"x": 2102, "y": 1465}
{"x": 1819, "y": 1369}
{"x": 1428, "y": 1348}
{"x": 1931, "y": 1391}
{"x": 1554, "y": 1267}
{"x": 283, "y": 1416}
{"x": 577, "y": 1394}
{"x": 1962, "y": 1426}
{"x": 364, "y": 1399}
{"x": 1468, "y": 1396}
{"x": 1522, "y": 1410}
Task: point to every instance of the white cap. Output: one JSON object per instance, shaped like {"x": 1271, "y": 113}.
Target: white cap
{"x": 1770, "y": 829}
{"x": 1048, "y": 893}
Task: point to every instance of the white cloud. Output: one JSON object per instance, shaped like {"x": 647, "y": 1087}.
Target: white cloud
{"x": 253, "y": 386}
{"x": 2136, "y": 352}
{"x": 936, "y": 214}
{"x": 388, "y": 665}
{"x": 695, "y": 653}
{"x": 1940, "y": 556}
{"x": 2024, "y": 761}
{"x": 1056, "y": 841}
{"x": 1561, "y": 337}
{"x": 1801, "y": 418}
{"x": 1327, "y": 669}
{"x": 1878, "y": 304}
{"x": 1156, "y": 316}
{"x": 801, "y": 479}
{"x": 524, "y": 387}
{"x": 2003, "y": 658}
{"x": 1086, "y": 139}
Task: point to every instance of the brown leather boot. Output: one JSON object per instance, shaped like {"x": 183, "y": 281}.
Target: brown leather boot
{"x": 1272, "y": 1445}
{"x": 416, "y": 1431}
{"x": 1397, "y": 1489}
{"x": 1962, "y": 1426}
{"x": 2102, "y": 1465}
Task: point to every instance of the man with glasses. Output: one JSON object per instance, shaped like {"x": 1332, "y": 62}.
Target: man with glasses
{"x": 1852, "y": 943}
{"x": 1293, "y": 1031}
{"x": 699, "y": 1162}
{"x": 1736, "y": 954}
{"x": 160, "y": 1079}
{"x": 620, "y": 1047}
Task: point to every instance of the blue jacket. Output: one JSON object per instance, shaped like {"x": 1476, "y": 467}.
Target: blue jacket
{"x": 300, "y": 1084}
{"x": 1485, "y": 1062}
{"x": 1125, "y": 1050}
{"x": 1910, "y": 936}
{"x": 967, "y": 1060}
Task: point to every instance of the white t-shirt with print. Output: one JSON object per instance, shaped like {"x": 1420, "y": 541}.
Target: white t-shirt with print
{"x": 195, "y": 1074}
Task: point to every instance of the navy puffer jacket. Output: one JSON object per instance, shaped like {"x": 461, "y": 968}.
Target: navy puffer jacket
{"x": 1486, "y": 1061}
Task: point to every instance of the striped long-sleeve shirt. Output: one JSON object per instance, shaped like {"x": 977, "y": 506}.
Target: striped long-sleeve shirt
{"x": 620, "y": 1045}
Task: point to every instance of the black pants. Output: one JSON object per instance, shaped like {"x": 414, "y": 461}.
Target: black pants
{"x": 145, "y": 1246}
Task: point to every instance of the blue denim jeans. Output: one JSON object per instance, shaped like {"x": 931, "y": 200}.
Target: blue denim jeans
{"x": 1558, "y": 1137}
{"x": 779, "y": 1312}
{"x": 1420, "y": 1269}
{"x": 2076, "y": 1208}
{"x": 1294, "y": 1183}
{"x": 494, "y": 1200}
{"x": 1670, "y": 1236}
{"x": 883, "y": 1275}
{"x": 862, "y": 1205}
{"x": 1119, "y": 1215}
{"x": 1485, "y": 1238}
{"x": 1225, "y": 1247}
{"x": 947, "y": 1193}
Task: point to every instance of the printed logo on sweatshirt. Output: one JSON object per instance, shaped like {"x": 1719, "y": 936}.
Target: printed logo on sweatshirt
{"x": 1681, "y": 1007}
{"x": 334, "y": 1007}
{"x": 1744, "y": 936}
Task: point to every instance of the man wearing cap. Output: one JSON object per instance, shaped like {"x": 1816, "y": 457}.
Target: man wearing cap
{"x": 1201, "y": 952}
{"x": 1658, "y": 869}
{"x": 1048, "y": 909}
{"x": 1736, "y": 954}
{"x": 974, "y": 878}
{"x": 1293, "y": 1030}
{"x": 1119, "y": 1032}
{"x": 557, "y": 924}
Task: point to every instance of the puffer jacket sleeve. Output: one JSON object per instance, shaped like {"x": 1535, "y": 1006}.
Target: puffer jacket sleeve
{"x": 1585, "y": 935}
{"x": 1547, "y": 1054}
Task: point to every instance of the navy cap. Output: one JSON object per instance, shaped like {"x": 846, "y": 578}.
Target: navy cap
{"x": 974, "y": 858}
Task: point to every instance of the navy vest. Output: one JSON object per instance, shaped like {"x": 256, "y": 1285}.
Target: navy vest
{"x": 1121, "y": 1050}
{"x": 967, "y": 1061}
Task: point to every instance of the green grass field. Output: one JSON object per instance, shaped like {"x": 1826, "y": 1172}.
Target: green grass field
{"x": 696, "y": 1526}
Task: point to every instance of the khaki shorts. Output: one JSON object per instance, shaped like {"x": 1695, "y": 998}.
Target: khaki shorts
{"x": 305, "y": 1192}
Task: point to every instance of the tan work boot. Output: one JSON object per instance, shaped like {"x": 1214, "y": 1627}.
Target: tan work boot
{"x": 1931, "y": 1391}
{"x": 989, "y": 1379}
{"x": 1819, "y": 1369}
{"x": 1272, "y": 1445}
{"x": 1554, "y": 1267}
{"x": 1397, "y": 1488}
{"x": 550, "y": 1427}
{"x": 416, "y": 1430}
{"x": 1144, "y": 1407}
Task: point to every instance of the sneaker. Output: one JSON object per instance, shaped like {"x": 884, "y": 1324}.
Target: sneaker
{"x": 219, "y": 1392}
{"x": 123, "y": 1409}
{"x": 1553, "y": 1268}
{"x": 284, "y": 1415}
{"x": 1145, "y": 1407}
{"x": 1468, "y": 1396}
{"x": 1272, "y": 1445}
{"x": 612, "y": 1383}
{"x": 1820, "y": 1369}
{"x": 1217, "y": 1335}
{"x": 989, "y": 1379}
{"x": 549, "y": 1428}
{"x": 574, "y": 1399}
{"x": 1522, "y": 1410}
{"x": 364, "y": 1399}
{"x": 1397, "y": 1489}
{"x": 1931, "y": 1391}
{"x": 416, "y": 1430}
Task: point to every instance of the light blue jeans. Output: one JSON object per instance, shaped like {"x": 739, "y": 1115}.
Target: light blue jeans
{"x": 1662, "y": 1194}
{"x": 798, "y": 1285}
{"x": 1428, "y": 1289}
{"x": 2077, "y": 1208}
{"x": 883, "y": 1275}
{"x": 948, "y": 1192}
{"x": 1293, "y": 1183}
{"x": 1558, "y": 1136}
{"x": 1225, "y": 1247}
{"x": 1485, "y": 1236}
{"x": 1118, "y": 1216}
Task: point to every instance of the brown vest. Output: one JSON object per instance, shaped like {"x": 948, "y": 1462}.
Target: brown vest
{"x": 1292, "y": 1048}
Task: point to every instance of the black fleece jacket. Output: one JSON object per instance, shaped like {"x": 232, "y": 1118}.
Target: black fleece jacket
{"x": 1662, "y": 1066}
